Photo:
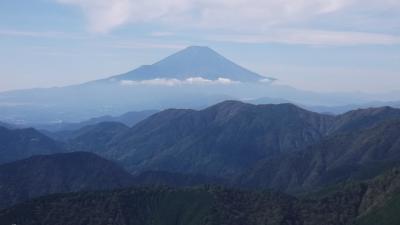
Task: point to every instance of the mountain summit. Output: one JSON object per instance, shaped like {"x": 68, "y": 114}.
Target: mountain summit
{"x": 194, "y": 61}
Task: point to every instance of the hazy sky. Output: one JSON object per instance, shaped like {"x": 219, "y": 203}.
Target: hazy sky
{"x": 323, "y": 45}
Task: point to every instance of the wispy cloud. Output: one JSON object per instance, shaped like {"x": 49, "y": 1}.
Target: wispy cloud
{"x": 41, "y": 34}
{"x": 286, "y": 20}
{"x": 162, "y": 34}
{"x": 30, "y": 33}
{"x": 105, "y": 15}
{"x": 310, "y": 37}
{"x": 122, "y": 44}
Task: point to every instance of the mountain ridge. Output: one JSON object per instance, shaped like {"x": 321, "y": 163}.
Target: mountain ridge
{"x": 231, "y": 138}
{"x": 229, "y": 128}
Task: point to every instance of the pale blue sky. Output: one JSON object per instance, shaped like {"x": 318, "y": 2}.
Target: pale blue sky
{"x": 322, "y": 45}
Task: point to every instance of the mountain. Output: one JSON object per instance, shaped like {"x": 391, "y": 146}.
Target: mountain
{"x": 352, "y": 203}
{"x": 67, "y": 172}
{"x": 221, "y": 140}
{"x": 227, "y": 139}
{"x": 194, "y": 61}
{"x": 7, "y": 125}
{"x": 22, "y": 143}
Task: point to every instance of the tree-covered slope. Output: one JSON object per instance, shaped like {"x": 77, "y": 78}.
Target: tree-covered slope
{"x": 348, "y": 203}
{"x": 353, "y": 155}
{"x": 222, "y": 140}
{"x": 58, "y": 173}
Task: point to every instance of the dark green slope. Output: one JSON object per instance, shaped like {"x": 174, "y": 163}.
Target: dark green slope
{"x": 354, "y": 155}
{"x": 125, "y": 207}
{"x": 387, "y": 215}
{"x": 349, "y": 203}
{"x": 381, "y": 202}
{"x": 156, "y": 206}
{"x": 201, "y": 206}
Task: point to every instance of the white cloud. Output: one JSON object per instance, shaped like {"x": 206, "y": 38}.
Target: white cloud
{"x": 177, "y": 82}
{"x": 104, "y": 15}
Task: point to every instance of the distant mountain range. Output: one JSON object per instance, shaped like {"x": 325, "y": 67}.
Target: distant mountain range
{"x": 255, "y": 146}
{"x": 195, "y": 77}
{"x": 129, "y": 119}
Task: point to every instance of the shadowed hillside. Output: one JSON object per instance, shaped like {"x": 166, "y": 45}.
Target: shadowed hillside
{"x": 67, "y": 172}
{"x": 352, "y": 203}
{"x": 22, "y": 143}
